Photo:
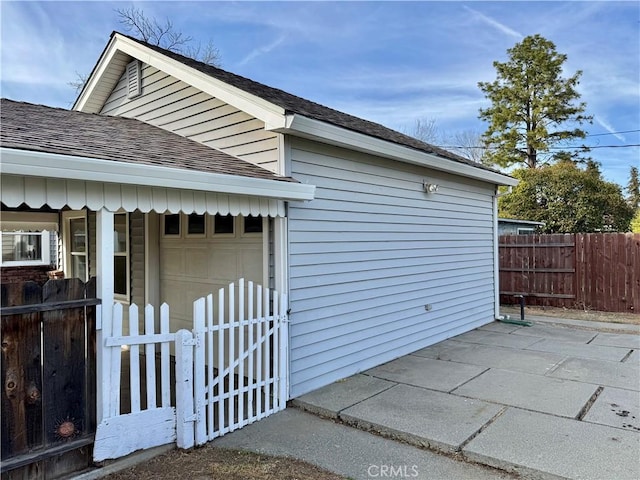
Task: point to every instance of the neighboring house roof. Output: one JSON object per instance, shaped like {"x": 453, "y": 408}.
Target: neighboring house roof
{"x": 25, "y": 126}
{"x": 279, "y": 108}
{"x": 519, "y": 222}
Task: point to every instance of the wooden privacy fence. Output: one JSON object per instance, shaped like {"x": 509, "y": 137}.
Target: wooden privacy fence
{"x": 596, "y": 271}
{"x": 48, "y": 377}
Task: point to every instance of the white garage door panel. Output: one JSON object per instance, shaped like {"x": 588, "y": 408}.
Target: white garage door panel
{"x": 194, "y": 267}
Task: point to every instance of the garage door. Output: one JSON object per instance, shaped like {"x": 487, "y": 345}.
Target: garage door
{"x": 201, "y": 253}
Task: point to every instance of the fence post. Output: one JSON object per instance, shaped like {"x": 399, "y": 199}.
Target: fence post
{"x": 198, "y": 369}
{"x": 185, "y": 414}
{"x": 284, "y": 350}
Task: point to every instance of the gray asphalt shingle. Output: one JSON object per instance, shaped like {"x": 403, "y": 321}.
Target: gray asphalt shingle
{"x": 26, "y": 126}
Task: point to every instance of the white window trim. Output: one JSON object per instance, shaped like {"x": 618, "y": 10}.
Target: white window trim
{"x": 67, "y": 216}
{"x": 45, "y": 250}
{"x": 124, "y": 297}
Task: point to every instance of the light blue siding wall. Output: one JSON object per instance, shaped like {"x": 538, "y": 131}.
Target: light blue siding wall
{"x": 371, "y": 251}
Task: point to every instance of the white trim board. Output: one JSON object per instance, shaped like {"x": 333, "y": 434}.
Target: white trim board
{"x": 50, "y": 165}
{"x": 316, "y": 130}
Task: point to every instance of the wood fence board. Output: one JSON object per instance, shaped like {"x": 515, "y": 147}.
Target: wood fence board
{"x": 45, "y": 352}
{"x": 593, "y": 271}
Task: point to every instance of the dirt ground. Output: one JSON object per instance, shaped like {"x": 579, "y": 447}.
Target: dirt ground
{"x": 590, "y": 315}
{"x": 209, "y": 463}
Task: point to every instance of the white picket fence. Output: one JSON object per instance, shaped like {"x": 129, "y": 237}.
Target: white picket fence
{"x": 240, "y": 359}
{"x": 231, "y": 370}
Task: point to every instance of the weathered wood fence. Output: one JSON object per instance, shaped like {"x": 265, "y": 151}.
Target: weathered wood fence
{"x": 48, "y": 377}
{"x": 595, "y": 271}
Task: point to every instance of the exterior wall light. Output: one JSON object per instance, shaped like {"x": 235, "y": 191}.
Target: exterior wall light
{"x": 430, "y": 187}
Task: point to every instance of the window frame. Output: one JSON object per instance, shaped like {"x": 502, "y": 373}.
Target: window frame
{"x": 234, "y": 226}
{"x": 123, "y": 297}
{"x": 243, "y": 231}
{"x": 164, "y": 226}
{"x": 45, "y": 249}
{"x": 67, "y": 217}
{"x": 187, "y": 221}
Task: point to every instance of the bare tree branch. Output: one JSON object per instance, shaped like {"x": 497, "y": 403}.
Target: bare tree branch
{"x": 166, "y": 36}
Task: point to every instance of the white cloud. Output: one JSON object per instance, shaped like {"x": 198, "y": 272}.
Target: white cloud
{"x": 608, "y": 127}
{"x": 501, "y": 27}
{"x": 256, "y": 52}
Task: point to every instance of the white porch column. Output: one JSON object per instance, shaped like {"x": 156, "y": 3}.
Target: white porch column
{"x": 281, "y": 281}
{"x": 104, "y": 284}
{"x": 281, "y": 255}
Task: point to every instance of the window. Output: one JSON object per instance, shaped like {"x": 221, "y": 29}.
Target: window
{"x": 121, "y": 276}
{"x": 196, "y": 225}
{"x": 172, "y": 224}
{"x": 223, "y": 224}
{"x": 25, "y": 248}
{"x": 253, "y": 224}
{"x": 76, "y": 245}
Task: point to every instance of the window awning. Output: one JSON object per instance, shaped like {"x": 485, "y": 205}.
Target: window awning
{"x": 28, "y": 221}
{"x": 39, "y": 178}
{"x": 57, "y": 193}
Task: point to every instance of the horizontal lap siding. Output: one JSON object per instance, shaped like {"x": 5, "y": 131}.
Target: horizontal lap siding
{"x": 175, "y": 106}
{"x": 370, "y": 251}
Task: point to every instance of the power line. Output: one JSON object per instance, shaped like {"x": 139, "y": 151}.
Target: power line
{"x": 592, "y": 147}
{"x": 612, "y": 133}
{"x": 570, "y": 147}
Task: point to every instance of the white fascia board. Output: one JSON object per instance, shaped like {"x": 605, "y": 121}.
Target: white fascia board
{"x": 50, "y": 165}
{"x": 270, "y": 114}
{"x": 314, "y": 129}
{"x": 92, "y": 82}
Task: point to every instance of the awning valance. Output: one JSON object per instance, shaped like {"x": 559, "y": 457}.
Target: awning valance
{"x": 57, "y": 193}
{"x": 29, "y": 221}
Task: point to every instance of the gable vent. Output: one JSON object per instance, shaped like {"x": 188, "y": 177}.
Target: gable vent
{"x": 134, "y": 87}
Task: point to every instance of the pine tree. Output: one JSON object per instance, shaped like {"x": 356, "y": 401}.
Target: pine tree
{"x": 532, "y": 106}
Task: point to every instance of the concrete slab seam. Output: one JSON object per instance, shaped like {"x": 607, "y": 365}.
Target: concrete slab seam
{"x": 592, "y": 339}
{"x": 493, "y": 402}
{"x": 482, "y": 428}
{"x": 467, "y": 381}
{"x": 397, "y": 435}
{"x": 395, "y": 384}
{"x": 515, "y": 468}
{"x": 626, "y": 357}
{"x": 587, "y": 406}
{"x": 556, "y": 366}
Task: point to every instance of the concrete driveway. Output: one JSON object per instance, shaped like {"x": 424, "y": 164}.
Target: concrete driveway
{"x": 555, "y": 400}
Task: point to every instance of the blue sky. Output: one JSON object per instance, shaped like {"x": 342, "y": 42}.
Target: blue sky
{"x": 389, "y": 62}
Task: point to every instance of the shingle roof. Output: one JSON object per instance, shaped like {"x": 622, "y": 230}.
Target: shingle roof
{"x": 297, "y": 105}
{"x": 26, "y": 126}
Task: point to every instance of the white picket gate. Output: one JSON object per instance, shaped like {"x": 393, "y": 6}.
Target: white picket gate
{"x": 231, "y": 370}
{"x": 240, "y": 358}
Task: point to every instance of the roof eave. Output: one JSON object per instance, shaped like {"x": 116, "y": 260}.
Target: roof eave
{"x": 53, "y": 165}
{"x": 301, "y": 126}
{"x": 271, "y": 114}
